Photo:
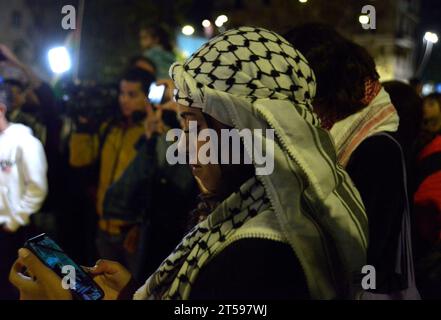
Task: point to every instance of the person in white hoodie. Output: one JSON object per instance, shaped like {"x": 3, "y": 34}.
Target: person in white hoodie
{"x": 23, "y": 187}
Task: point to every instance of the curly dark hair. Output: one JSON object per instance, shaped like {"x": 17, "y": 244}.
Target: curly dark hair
{"x": 133, "y": 60}
{"x": 139, "y": 75}
{"x": 340, "y": 65}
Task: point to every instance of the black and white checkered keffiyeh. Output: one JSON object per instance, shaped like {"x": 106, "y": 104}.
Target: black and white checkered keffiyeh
{"x": 253, "y": 78}
{"x": 250, "y": 63}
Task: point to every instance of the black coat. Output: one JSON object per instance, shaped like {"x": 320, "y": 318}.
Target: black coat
{"x": 156, "y": 194}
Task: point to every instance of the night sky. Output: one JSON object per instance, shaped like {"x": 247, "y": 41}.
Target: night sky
{"x": 194, "y": 11}
{"x": 114, "y": 30}
{"x": 431, "y": 21}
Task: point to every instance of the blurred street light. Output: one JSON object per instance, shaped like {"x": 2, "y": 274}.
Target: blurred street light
{"x": 303, "y": 1}
{"x": 206, "y": 23}
{"x": 427, "y": 89}
{"x": 363, "y": 19}
{"x": 431, "y": 37}
{"x": 188, "y": 30}
{"x": 59, "y": 60}
{"x": 208, "y": 28}
{"x": 221, "y": 20}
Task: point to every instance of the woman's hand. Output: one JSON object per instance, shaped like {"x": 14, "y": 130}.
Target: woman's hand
{"x": 169, "y": 89}
{"x": 169, "y": 102}
{"x": 40, "y": 283}
{"x": 153, "y": 122}
{"x": 111, "y": 276}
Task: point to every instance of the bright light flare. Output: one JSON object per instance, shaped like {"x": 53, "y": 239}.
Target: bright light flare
{"x": 59, "y": 60}
{"x": 363, "y": 19}
{"x": 206, "y": 23}
{"x": 221, "y": 20}
{"x": 188, "y": 30}
{"x": 431, "y": 37}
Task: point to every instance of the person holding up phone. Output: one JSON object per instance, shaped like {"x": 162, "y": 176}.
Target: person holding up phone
{"x": 144, "y": 190}
{"x": 110, "y": 149}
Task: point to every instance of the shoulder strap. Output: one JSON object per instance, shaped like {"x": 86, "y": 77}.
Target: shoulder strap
{"x": 405, "y": 238}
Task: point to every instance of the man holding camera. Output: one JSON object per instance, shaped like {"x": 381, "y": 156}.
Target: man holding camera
{"x": 113, "y": 147}
{"x": 152, "y": 190}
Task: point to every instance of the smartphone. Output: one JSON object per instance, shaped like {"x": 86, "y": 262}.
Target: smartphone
{"x": 50, "y": 253}
{"x": 156, "y": 93}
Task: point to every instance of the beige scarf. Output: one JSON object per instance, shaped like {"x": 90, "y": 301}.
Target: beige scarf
{"x": 379, "y": 116}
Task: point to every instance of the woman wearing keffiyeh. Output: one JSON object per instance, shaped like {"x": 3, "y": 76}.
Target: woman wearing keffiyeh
{"x": 307, "y": 209}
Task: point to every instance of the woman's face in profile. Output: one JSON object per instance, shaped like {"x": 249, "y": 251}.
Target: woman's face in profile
{"x": 208, "y": 176}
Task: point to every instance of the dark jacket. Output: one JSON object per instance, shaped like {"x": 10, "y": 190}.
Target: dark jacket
{"x": 156, "y": 194}
{"x": 376, "y": 167}
{"x": 248, "y": 269}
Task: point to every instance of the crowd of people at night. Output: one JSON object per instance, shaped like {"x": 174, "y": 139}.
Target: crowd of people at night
{"x": 356, "y": 179}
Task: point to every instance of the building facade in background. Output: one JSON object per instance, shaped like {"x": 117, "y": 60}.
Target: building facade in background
{"x": 392, "y": 44}
{"x": 17, "y": 27}
{"x": 30, "y": 28}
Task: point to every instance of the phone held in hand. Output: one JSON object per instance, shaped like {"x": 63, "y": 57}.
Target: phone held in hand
{"x": 156, "y": 94}
{"x": 49, "y": 252}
